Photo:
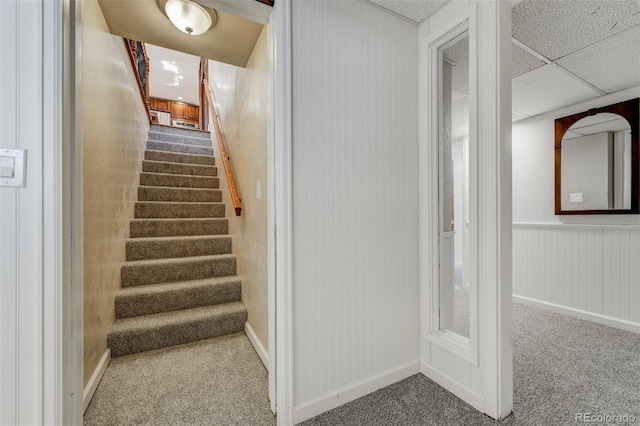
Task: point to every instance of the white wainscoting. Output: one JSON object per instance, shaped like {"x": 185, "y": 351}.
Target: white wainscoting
{"x": 588, "y": 271}
{"x": 355, "y": 200}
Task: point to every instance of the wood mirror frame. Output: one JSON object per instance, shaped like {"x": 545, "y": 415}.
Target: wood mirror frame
{"x": 629, "y": 110}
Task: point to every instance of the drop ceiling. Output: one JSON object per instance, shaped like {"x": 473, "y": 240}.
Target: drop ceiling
{"x": 563, "y": 52}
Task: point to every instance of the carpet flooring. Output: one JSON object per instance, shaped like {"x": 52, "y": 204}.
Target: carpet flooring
{"x": 562, "y": 366}
{"x": 218, "y": 381}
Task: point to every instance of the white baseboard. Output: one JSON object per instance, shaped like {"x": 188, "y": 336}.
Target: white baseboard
{"x": 94, "y": 381}
{"x": 257, "y": 345}
{"x": 356, "y": 390}
{"x": 580, "y": 314}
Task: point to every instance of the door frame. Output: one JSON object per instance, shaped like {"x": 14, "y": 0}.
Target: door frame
{"x": 62, "y": 308}
{"x": 487, "y": 360}
{"x": 281, "y": 263}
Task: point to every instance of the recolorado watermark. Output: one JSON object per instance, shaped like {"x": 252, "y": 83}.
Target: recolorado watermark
{"x": 596, "y": 418}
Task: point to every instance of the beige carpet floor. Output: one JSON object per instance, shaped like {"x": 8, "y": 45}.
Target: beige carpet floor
{"x": 218, "y": 381}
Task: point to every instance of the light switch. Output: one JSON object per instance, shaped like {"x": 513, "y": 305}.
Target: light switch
{"x": 13, "y": 167}
{"x": 258, "y": 190}
{"x": 7, "y": 166}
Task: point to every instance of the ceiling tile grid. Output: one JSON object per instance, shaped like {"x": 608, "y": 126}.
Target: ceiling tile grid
{"x": 415, "y": 10}
{"x": 522, "y": 61}
{"x": 556, "y": 28}
{"x": 547, "y": 88}
{"x": 610, "y": 65}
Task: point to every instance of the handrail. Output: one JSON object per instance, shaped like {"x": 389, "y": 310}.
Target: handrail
{"x": 223, "y": 150}
{"x": 131, "y": 46}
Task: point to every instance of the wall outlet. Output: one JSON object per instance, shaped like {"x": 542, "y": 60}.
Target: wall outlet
{"x": 575, "y": 197}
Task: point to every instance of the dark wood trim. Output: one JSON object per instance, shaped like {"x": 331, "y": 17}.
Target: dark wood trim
{"x": 134, "y": 65}
{"x": 267, "y": 2}
{"x": 630, "y": 111}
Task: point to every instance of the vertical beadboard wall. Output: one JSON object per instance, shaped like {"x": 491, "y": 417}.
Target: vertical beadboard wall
{"x": 583, "y": 265}
{"x": 355, "y": 202}
{"x": 594, "y": 269}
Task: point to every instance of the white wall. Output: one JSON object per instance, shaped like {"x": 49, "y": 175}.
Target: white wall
{"x": 585, "y": 262}
{"x": 355, "y": 202}
{"x": 34, "y": 246}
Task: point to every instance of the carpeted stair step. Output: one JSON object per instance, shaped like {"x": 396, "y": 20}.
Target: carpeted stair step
{"x": 178, "y": 168}
{"x": 163, "y": 193}
{"x": 174, "y": 247}
{"x": 155, "y": 298}
{"x": 138, "y": 334}
{"x": 142, "y": 228}
{"x": 180, "y": 131}
{"x": 178, "y": 181}
{"x": 177, "y": 157}
{"x": 142, "y": 272}
{"x": 195, "y": 140}
{"x": 178, "y": 147}
{"x": 166, "y": 209}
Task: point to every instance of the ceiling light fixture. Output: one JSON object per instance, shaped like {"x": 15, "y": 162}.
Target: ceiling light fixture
{"x": 189, "y": 17}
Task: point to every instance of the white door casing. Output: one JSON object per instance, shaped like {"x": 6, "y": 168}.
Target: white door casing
{"x": 478, "y": 369}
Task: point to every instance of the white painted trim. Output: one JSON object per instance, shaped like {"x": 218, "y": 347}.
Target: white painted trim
{"x": 354, "y": 391}
{"x": 461, "y": 391}
{"x": 271, "y": 217}
{"x": 95, "y": 379}
{"x": 283, "y": 211}
{"x": 621, "y": 324}
{"x": 574, "y": 226}
{"x": 257, "y": 345}
{"x": 489, "y": 387}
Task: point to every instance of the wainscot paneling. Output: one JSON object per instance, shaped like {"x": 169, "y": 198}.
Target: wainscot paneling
{"x": 589, "y": 271}
{"x": 355, "y": 202}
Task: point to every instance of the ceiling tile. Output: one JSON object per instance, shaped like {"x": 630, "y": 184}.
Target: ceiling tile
{"x": 610, "y": 65}
{"x": 557, "y": 28}
{"x": 522, "y": 61}
{"x": 416, "y": 10}
{"x": 547, "y": 88}
{"x": 516, "y": 116}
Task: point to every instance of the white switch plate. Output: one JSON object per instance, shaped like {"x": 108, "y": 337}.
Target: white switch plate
{"x": 7, "y": 166}
{"x": 575, "y": 197}
{"x": 258, "y": 190}
{"x": 17, "y": 176}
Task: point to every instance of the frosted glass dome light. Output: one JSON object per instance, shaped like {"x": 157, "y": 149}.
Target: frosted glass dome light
{"x": 189, "y": 17}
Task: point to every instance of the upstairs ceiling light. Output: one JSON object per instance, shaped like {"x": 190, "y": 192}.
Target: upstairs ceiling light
{"x": 189, "y": 17}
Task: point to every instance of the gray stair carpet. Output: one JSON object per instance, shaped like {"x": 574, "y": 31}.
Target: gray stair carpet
{"x": 179, "y": 283}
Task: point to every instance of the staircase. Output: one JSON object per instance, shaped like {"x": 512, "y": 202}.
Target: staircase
{"x": 178, "y": 283}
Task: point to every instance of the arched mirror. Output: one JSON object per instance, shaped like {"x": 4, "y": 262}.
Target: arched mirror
{"x": 597, "y": 161}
